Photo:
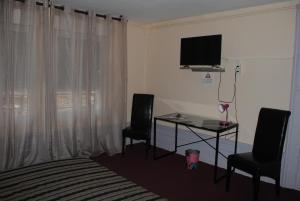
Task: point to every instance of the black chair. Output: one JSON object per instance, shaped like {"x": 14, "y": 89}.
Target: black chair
{"x": 141, "y": 121}
{"x": 265, "y": 158}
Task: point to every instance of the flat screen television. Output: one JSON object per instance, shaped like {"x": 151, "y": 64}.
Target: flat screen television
{"x": 201, "y": 51}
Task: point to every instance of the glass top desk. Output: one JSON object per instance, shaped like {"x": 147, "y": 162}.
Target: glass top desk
{"x": 198, "y": 122}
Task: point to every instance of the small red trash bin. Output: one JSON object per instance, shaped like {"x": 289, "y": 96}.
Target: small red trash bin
{"x": 192, "y": 158}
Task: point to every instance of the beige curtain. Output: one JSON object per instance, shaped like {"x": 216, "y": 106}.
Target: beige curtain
{"x": 62, "y": 83}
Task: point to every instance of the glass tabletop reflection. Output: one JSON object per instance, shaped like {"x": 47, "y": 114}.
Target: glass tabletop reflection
{"x": 195, "y": 121}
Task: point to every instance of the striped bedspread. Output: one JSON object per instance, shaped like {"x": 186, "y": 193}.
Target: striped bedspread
{"x": 71, "y": 179}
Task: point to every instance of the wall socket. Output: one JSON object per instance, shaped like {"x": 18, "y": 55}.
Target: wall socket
{"x": 238, "y": 68}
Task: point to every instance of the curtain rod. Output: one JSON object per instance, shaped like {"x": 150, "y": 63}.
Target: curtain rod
{"x": 75, "y": 10}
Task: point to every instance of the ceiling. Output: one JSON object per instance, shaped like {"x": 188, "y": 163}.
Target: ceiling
{"x": 161, "y": 10}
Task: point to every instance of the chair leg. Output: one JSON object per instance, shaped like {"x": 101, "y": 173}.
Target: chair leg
{"x": 256, "y": 180}
{"x": 149, "y": 143}
{"x": 277, "y": 183}
{"x": 228, "y": 176}
{"x": 131, "y": 142}
{"x": 123, "y": 145}
{"x": 147, "y": 148}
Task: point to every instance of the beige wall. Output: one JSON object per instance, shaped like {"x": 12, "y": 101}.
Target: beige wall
{"x": 261, "y": 39}
{"x": 136, "y": 58}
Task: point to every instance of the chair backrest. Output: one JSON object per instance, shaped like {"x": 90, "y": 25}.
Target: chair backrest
{"x": 270, "y": 134}
{"x": 142, "y": 109}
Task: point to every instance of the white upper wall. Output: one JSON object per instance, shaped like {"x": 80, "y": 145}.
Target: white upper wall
{"x": 261, "y": 39}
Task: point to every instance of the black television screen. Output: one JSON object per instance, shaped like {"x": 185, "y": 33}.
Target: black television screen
{"x": 203, "y": 50}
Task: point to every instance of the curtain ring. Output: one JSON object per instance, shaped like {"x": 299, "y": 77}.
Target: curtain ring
{"x": 49, "y": 2}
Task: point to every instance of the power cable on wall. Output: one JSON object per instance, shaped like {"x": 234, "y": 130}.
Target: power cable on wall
{"x": 233, "y": 99}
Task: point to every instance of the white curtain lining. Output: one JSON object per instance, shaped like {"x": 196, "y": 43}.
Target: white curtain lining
{"x": 62, "y": 84}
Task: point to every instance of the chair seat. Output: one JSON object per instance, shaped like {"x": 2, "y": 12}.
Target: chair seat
{"x": 137, "y": 134}
{"x": 247, "y": 163}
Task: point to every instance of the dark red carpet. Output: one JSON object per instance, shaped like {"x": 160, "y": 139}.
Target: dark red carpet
{"x": 169, "y": 178}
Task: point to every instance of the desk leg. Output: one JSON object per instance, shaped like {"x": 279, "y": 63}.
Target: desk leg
{"x": 216, "y": 158}
{"x": 154, "y": 140}
{"x": 236, "y": 141}
{"x": 236, "y": 138}
{"x": 176, "y": 136}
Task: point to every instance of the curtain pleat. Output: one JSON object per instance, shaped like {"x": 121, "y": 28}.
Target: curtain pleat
{"x": 63, "y": 79}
